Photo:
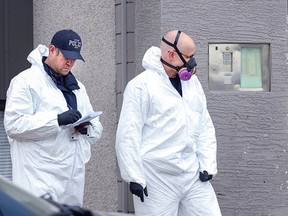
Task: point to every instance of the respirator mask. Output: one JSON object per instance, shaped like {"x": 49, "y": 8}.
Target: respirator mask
{"x": 188, "y": 68}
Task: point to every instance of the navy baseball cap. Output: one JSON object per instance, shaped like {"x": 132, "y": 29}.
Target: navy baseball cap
{"x": 69, "y": 43}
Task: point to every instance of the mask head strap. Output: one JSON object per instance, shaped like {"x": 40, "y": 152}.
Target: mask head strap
{"x": 177, "y": 68}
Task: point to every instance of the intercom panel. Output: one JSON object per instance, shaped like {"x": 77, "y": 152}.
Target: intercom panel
{"x": 239, "y": 67}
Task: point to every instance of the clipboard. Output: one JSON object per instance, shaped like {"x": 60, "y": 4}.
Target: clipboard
{"x": 86, "y": 118}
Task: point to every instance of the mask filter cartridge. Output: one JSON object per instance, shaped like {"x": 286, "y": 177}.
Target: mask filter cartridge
{"x": 184, "y": 74}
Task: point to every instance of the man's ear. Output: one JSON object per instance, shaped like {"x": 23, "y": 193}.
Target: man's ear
{"x": 171, "y": 54}
{"x": 52, "y": 49}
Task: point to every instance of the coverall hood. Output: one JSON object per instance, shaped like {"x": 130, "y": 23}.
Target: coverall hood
{"x": 151, "y": 61}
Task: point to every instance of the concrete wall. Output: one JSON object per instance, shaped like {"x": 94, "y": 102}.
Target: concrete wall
{"x": 94, "y": 21}
{"x": 251, "y": 127}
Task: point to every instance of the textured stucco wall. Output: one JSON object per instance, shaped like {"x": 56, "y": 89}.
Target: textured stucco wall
{"x": 251, "y": 127}
{"x": 147, "y": 28}
{"x": 94, "y": 21}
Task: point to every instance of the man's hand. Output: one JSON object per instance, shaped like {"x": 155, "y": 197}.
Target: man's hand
{"x": 82, "y": 128}
{"x": 69, "y": 117}
{"x": 204, "y": 177}
{"x": 137, "y": 190}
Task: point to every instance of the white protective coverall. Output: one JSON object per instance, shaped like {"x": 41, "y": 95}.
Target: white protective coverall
{"x": 163, "y": 140}
{"x": 44, "y": 159}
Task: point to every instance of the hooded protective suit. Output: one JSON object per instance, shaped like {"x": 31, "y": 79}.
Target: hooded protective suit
{"x": 163, "y": 141}
{"x": 44, "y": 159}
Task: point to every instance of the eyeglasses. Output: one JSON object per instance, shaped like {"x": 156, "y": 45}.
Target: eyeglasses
{"x": 186, "y": 56}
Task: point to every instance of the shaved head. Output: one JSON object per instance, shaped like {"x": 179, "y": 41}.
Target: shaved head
{"x": 185, "y": 43}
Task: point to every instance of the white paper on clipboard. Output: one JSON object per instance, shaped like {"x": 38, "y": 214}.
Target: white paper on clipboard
{"x": 86, "y": 118}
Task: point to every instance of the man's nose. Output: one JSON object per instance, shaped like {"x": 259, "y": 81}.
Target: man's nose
{"x": 70, "y": 62}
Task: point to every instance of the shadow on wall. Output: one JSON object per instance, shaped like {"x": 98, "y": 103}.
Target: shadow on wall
{"x": 5, "y": 158}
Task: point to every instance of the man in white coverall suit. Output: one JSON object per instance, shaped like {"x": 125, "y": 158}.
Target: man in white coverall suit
{"x": 165, "y": 143}
{"x": 41, "y": 102}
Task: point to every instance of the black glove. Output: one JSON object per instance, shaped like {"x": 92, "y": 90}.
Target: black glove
{"x": 82, "y": 128}
{"x": 137, "y": 189}
{"x": 69, "y": 117}
{"x": 204, "y": 177}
